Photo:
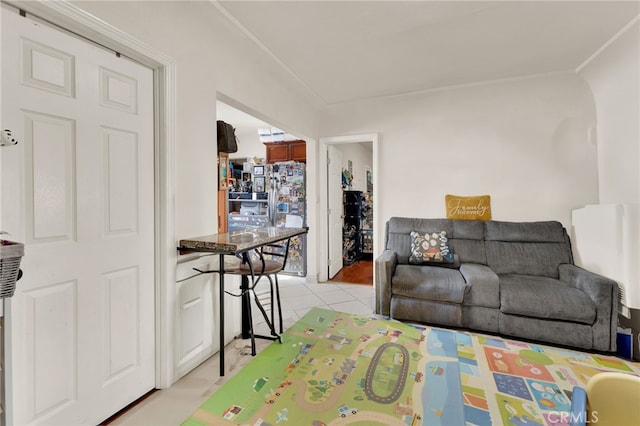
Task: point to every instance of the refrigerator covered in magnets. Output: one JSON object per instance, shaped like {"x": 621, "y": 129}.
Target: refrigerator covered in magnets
{"x": 287, "y": 205}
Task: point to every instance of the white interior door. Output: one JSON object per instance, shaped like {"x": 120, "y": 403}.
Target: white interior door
{"x": 78, "y": 191}
{"x": 335, "y": 203}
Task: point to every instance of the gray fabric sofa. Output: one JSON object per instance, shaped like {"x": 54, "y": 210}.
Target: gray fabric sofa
{"x": 512, "y": 278}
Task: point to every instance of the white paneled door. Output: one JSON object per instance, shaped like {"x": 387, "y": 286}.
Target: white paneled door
{"x": 335, "y": 204}
{"x": 78, "y": 190}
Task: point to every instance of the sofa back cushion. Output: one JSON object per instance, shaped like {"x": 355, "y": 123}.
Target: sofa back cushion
{"x": 466, "y": 238}
{"x": 528, "y": 248}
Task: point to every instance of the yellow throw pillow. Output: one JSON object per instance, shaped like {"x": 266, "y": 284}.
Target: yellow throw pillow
{"x": 468, "y": 208}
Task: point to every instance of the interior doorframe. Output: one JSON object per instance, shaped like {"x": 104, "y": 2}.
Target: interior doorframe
{"x": 323, "y": 225}
{"x": 82, "y": 23}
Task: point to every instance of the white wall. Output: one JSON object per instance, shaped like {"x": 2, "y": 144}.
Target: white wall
{"x": 614, "y": 77}
{"x": 361, "y": 158}
{"x": 249, "y": 145}
{"x": 523, "y": 142}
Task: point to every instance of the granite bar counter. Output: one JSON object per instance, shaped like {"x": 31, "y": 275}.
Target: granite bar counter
{"x": 238, "y": 241}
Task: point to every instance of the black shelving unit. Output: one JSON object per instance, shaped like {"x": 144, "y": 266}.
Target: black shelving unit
{"x": 367, "y": 226}
{"x": 351, "y": 228}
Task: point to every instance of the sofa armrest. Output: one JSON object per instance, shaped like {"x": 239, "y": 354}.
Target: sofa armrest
{"x": 385, "y": 267}
{"x": 604, "y": 292}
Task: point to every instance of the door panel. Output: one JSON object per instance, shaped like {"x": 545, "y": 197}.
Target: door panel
{"x": 120, "y": 288}
{"x": 121, "y": 180}
{"x": 47, "y": 312}
{"x": 48, "y": 68}
{"x": 78, "y": 190}
{"x": 118, "y": 91}
{"x": 50, "y": 178}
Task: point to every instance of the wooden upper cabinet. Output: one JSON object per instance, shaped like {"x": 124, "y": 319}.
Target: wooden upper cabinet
{"x": 286, "y": 151}
{"x": 277, "y": 151}
{"x": 298, "y": 151}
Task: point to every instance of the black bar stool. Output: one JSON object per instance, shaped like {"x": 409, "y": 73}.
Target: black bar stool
{"x": 267, "y": 261}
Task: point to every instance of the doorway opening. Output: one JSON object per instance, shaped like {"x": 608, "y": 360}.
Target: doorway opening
{"x": 250, "y": 151}
{"x": 350, "y": 165}
{"x": 266, "y": 181}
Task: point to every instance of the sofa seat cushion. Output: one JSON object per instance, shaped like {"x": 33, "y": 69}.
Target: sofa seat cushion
{"x": 542, "y": 297}
{"x": 429, "y": 311}
{"x": 429, "y": 283}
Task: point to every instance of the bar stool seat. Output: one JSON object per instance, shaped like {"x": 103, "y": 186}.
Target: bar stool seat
{"x": 239, "y": 268}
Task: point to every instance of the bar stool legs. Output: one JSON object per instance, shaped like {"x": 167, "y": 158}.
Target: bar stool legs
{"x": 278, "y": 302}
{"x": 246, "y": 299}
{"x": 270, "y": 324}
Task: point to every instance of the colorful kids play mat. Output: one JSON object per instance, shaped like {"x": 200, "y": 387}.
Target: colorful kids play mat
{"x": 336, "y": 369}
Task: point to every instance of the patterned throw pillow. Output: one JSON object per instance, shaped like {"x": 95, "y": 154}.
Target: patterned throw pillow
{"x": 430, "y": 247}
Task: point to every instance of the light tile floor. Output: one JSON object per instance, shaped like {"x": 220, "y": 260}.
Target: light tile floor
{"x": 173, "y": 405}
